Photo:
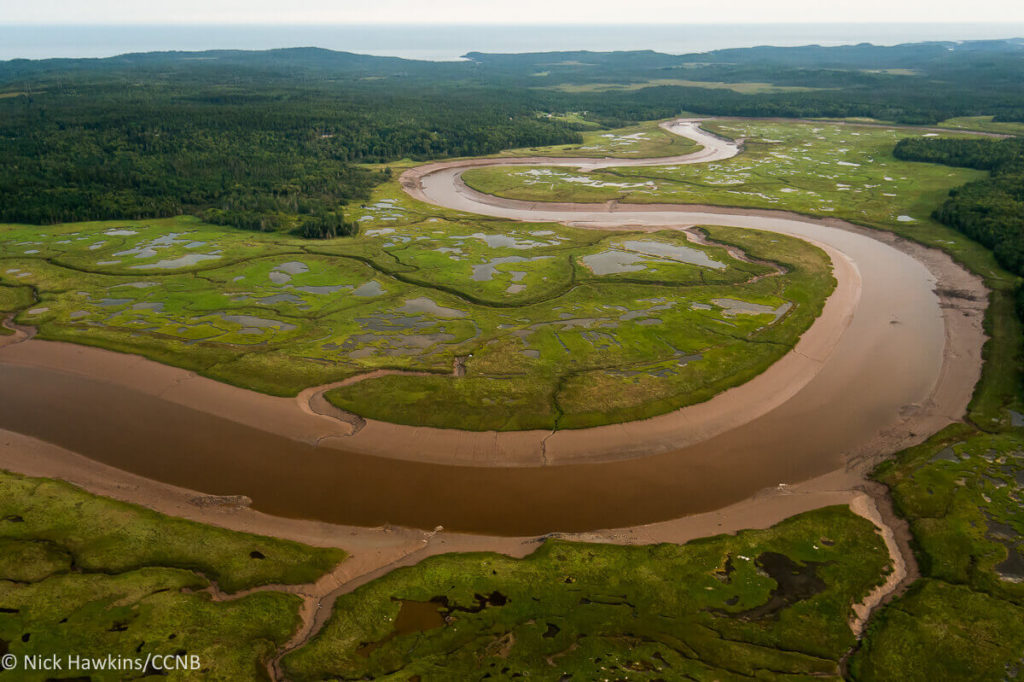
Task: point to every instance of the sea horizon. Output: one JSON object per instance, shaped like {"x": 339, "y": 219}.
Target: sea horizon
{"x": 443, "y": 42}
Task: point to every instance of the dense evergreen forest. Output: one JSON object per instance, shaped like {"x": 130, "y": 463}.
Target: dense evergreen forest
{"x": 264, "y": 160}
{"x": 273, "y": 140}
{"x": 990, "y": 211}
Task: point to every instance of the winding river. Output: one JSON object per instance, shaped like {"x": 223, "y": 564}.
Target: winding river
{"x": 893, "y": 358}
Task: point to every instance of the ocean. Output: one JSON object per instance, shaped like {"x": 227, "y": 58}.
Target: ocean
{"x": 441, "y": 43}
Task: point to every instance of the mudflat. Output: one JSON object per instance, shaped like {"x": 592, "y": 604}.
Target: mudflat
{"x": 889, "y": 361}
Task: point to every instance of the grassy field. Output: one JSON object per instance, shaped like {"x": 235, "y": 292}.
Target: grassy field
{"x": 640, "y": 141}
{"x": 650, "y": 321}
{"x": 826, "y": 169}
{"x": 621, "y": 345}
{"x": 80, "y": 574}
{"x": 822, "y": 169}
{"x": 575, "y": 117}
{"x": 962, "y": 493}
{"x": 768, "y": 604}
{"x": 984, "y": 124}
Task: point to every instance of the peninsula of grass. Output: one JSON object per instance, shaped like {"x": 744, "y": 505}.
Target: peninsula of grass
{"x": 823, "y": 169}
{"x": 819, "y": 168}
{"x": 621, "y": 346}
{"x": 85, "y": 575}
{"x": 772, "y": 604}
{"x": 641, "y": 141}
{"x": 986, "y": 124}
{"x": 577, "y": 327}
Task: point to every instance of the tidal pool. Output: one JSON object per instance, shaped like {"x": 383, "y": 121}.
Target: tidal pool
{"x": 180, "y": 262}
{"x": 676, "y": 252}
{"x": 259, "y": 322}
{"x": 614, "y": 262}
{"x": 425, "y": 305}
{"x": 501, "y": 241}
{"x": 371, "y": 288}
{"x": 732, "y": 307}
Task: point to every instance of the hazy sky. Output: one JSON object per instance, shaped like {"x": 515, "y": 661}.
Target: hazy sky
{"x": 504, "y": 12}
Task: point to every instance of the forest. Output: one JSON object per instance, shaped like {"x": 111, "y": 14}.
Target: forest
{"x": 282, "y": 160}
{"x": 990, "y": 211}
{"x": 274, "y": 140}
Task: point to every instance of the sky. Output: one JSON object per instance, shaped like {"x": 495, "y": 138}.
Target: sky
{"x": 517, "y": 12}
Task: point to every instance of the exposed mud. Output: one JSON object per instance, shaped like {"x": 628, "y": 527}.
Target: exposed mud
{"x": 827, "y": 462}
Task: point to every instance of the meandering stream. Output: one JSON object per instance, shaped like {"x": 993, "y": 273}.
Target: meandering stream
{"x": 889, "y": 362}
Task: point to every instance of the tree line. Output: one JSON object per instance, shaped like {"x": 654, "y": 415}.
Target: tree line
{"x": 285, "y": 159}
{"x": 990, "y": 211}
{"x": 277, "y": 140}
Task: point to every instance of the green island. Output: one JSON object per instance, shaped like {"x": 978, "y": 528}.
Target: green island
{"x": 275, "y": 287}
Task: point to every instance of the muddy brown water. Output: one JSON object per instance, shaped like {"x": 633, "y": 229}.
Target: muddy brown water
{"x": 811, "y": 434}
{"x": 175, "y": 444}
{"x": 888, "y": 360}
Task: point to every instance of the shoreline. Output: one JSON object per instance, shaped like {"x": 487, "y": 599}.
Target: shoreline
{"x": 311, "y": 419}
{"x": 777, "y": 437}
{"x": 374, "y": 552}
{"x": 372, "y": 548}
{"x": 961, "y": 295}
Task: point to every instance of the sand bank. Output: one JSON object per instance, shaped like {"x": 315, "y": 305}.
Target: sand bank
{"x": 894, "y": 357}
